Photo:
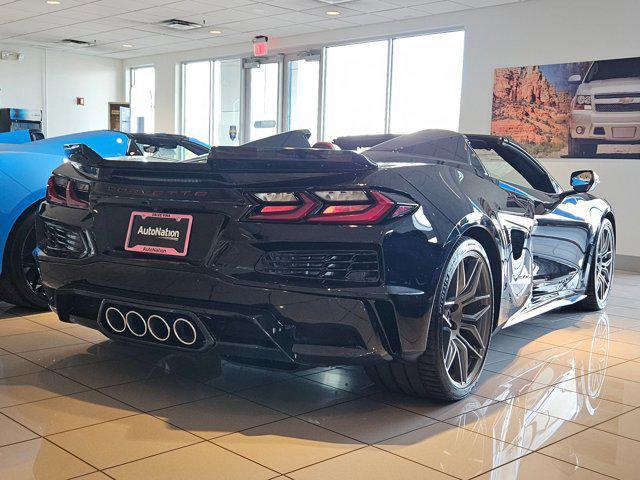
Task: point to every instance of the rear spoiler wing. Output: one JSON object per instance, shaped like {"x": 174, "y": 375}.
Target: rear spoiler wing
{"x": 268, "y": 160}
{"x": 239, "y": 160}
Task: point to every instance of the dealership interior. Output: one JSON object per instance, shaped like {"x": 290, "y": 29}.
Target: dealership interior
{"x": 264, "y": 371}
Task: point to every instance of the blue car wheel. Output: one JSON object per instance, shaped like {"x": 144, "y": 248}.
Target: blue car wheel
{"x": 20, "y": 281}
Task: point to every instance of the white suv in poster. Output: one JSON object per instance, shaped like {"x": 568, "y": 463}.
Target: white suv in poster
{"x": 606, "y": 107}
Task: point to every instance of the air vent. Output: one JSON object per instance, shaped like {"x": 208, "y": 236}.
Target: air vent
{"x": 181, "y": 24}
{"x": 360, "y": 266}
{"x": 76, "y": 43}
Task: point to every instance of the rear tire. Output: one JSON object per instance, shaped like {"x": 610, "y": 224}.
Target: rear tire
{"x": 459, "y": 332}
{"x": 20, "y": 280}
{"x": 582, "y": 148}
{"x": 602, "y": 269}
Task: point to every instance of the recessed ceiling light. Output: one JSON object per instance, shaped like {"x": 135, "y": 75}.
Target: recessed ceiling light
{"x": 127, "y": 45}
{"x": 53, "y": 2}
{"x": 215, "y": 32}
{"x": 333, "y": 13}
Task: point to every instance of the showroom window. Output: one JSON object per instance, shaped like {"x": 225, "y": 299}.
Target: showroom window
{"x": 399, "y": 85}
{"x": 396, "y": 85}
{"x": 355, "y": 89}
{"x": 142, "y": 97}
{"x": 426, "y": 80}
{"x": 211, "y": 99}
{"x": 196, "y": 118}
{"x": 304, "y": 89}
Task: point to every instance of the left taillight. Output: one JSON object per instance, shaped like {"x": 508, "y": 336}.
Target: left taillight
{"x": 348, "y": 207}
{"x": 65, "y": 191}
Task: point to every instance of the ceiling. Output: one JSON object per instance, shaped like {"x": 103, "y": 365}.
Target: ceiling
{"x": 129, "y": 28}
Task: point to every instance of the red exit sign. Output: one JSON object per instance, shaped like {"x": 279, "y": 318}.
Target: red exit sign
{"x": 260, "y": 46}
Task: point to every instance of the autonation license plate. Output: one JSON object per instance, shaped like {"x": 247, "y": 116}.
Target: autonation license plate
{"x": 159, "y": 233}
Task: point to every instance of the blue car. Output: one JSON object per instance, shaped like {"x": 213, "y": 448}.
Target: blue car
{"x": 26, "y": 164}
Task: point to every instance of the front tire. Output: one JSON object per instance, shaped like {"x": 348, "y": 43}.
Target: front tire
{"x": 20, "y": 281}
{"x": 459, "y": 332}
{"x": 602, "y": 269}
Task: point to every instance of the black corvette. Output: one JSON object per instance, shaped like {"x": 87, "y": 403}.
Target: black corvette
{"x": 404, "y": 258}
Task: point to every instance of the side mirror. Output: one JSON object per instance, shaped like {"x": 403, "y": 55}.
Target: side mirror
{"x": 584, "y": 181}
{"x": 575, "y": 79}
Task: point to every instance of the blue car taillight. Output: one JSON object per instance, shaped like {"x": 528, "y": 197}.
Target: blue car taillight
{"x": 65, "y": 191}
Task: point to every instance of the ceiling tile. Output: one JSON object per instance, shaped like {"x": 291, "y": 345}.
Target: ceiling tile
{"x": 402, "y": 13}
{"x": 371, "y": 6}
{"x": 367, "y": 19}
{"x": 294, "y": 4}
{"x": 486, "y": 3}
{"x": 445, "y": 6}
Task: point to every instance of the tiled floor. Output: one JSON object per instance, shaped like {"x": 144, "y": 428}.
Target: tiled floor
{"x": 559, "y": 399}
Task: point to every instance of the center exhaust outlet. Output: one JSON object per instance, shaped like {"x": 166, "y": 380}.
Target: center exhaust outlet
{"x": 184, "y": 331}
{"x": 136, "y": 324}
{"x": 159, "y": 328}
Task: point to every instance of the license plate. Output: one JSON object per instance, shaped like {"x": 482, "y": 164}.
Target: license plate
{"x": 623, "y": 132}
{"x": 159, "y": 233}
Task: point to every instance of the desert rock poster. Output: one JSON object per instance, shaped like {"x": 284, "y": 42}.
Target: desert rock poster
{"x": 582, "y": 109}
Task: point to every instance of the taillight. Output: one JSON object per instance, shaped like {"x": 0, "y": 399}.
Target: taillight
{"x": 291, "y": 208}
{"x": 350, "y": 207}
{"x": 376, "y": 208}
{"x": 67, "y": 192}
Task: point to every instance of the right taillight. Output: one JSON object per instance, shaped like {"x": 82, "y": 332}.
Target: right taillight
{"x": 67, "y": 192}
{"x": 347, "y": 207}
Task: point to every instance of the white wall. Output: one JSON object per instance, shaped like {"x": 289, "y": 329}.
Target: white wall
{"x": 529, "y": 33}
{"x": 21, "y": 82}
{"x": 51, "y": 81}
{"x": 98, "y": 80}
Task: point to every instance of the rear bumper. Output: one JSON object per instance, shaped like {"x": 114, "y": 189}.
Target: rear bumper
{"x": 306, "y": 326}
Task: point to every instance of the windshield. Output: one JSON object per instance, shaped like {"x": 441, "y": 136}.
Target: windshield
{"x": 609, "y": 69}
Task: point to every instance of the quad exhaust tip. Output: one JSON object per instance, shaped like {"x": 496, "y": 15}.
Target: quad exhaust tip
{"x": 136, "y": 324}
{"x": 185, "y": 332}
{"x": 159, "y": 328}
{"x": 115, "y": 319}
{"x": 183, "y": 329}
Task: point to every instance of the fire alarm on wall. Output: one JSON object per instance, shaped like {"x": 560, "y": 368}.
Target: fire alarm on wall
{"x": 260, "y": 48}
{"x": 80, "y": 101}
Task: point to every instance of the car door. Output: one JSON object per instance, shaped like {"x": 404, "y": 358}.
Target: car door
{"x": 561, "y": 232}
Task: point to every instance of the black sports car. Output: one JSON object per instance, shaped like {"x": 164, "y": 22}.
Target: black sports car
{"x": 404, "y": 258}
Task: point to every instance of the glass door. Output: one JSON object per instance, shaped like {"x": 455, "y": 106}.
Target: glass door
{"x": 263, "y": 83}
